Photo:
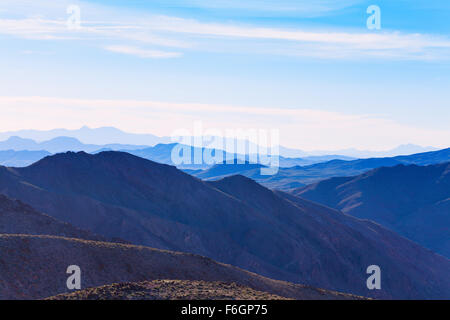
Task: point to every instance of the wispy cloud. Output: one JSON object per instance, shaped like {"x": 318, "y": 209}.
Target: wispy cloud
{"x": 188, "y": 34}
{"x": 142, "y": 53}
{"x": 330, "y": 44}
{"x": 145, "y": 35}
{"x": 380, "y": 41}
{"x": 298, "y": 7}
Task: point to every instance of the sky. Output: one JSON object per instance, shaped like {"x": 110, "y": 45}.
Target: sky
{"x": 313, "y": 70}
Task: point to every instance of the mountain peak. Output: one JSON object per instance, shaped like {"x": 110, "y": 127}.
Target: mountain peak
{"x": 64, "y": 139}
{"x": 239, "y": 179}
{"x": 17, "y": 138}
{"x": 241, "y": 186}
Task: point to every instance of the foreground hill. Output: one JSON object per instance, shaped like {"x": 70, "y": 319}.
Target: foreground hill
{"x": 235, "y": 221}
{"x": 411, "y": 200}
{"x": 34, "y": 267}
{"x": 169, "y": 290}
{"x": 300, "y": 176}
{"x": 19, "y": 218}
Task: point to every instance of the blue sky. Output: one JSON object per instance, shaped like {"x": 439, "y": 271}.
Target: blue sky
{"x": 311, "y": 69}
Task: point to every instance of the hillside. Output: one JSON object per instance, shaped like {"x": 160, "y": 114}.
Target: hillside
{"x": 411, "y": 200}
{"x": 19, "y": 218}
{"x": 34, "y": 267}
{"x": 169, "y": 290}
{"x": 235, "y": 221}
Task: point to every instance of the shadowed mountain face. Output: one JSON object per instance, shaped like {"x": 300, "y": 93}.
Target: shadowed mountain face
{"x": 42, "y": 261}
{"x": 235, "y": 221}
{"x": 299, "y": 176}
{"x": 411, "y": 200}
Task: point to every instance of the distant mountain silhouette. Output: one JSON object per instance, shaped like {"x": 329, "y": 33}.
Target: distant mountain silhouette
{"x": 404, "y": 149}
{"x": 96, "y": 136}
{"x": 299, "y": 176}
{"x": 162, "y": 153}
{"x": 21, "y": 152}
{"x": 13, "y": 158}
{"x": 235, "y": 221}
{"x": 411, "y": 200}
{"x": 111, "y": 135}
{"x": 59, "y": 144}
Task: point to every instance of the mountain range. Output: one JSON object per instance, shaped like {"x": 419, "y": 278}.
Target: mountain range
{"x": 111, "y": 135}
{"x": 58, "y": 145}
{"x": 299, "y": 176}
{"x": 404, "y": 149}
{"x": 96, "y": 136}
{"x": 411, "y": 200}
{"x": 20, "y": 152}
{"x": 234, "y": 221}
{"x": 162, "y": 153}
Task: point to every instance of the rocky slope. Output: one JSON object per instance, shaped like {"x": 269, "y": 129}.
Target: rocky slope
{"x": 169, "y": 290}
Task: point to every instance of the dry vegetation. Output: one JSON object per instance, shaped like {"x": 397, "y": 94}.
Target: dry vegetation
{"x": 169, "y": 290}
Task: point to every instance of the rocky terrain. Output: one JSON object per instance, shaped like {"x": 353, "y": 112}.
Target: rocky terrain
{"x": 169, "y": 290}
